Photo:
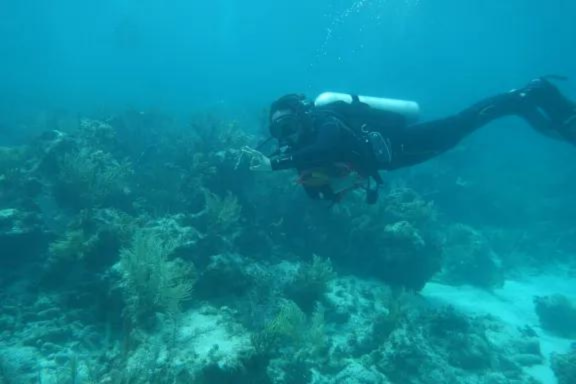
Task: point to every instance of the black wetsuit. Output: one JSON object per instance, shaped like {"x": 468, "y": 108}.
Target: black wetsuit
{"x": 332, "y": 139}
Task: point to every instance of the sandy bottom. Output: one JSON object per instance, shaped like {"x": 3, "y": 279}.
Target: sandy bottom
{"x": 513, "y": 303}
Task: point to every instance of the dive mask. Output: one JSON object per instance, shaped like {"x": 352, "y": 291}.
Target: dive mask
{"x": 285, "y": 126}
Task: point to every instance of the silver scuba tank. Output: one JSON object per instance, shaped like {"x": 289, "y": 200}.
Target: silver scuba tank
{"x": 410, "y": 110}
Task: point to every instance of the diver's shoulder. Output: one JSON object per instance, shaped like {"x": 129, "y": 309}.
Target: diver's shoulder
{"x": 323, "y": 117}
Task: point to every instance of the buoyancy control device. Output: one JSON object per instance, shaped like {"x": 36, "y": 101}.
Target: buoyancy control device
{"x": 373, "y": 120}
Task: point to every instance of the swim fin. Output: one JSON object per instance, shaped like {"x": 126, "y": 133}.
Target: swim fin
{"x": 558, "y": 108}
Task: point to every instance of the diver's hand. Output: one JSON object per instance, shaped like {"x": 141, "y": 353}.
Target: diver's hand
{"x": 258, "y": 161}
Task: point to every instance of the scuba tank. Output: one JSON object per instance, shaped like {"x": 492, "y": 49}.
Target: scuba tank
{"x": 410, "y": 110}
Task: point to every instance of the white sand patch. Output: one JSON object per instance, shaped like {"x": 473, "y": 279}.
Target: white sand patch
{"x": 514, "y": 305}
{"x": 214, "y": 337}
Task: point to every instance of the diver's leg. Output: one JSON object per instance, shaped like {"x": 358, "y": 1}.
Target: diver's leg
{"x": 540, "y": 103}
{"x": 421, "y": 142}
{"x": 424, "y": 141}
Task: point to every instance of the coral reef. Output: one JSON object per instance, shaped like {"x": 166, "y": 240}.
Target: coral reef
{"x": 557, "y": 314}
{"x": 227, "y": 275}
{"x": 396, "y": 242}
{"x": 564, "y": 366}
{"x": 135, "y": 251}
{"x": 90, "y": 178}
{"x": 22, "y": 235}
{"x": 408, "y": 260}
{"x": 469, "y": 259}
{"x": 403, "y": 203}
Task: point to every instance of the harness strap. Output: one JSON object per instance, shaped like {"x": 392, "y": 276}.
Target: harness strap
{"x": 373, "y": 172}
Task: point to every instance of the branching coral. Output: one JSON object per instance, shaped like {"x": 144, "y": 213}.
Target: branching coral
{"x": 151, "y": 281}
{"x": 311, "y": 282}
{"x": 74, "y": 246}
{"x": 199, "y": 170}
{"x": 223, "y": 214}
{"x": 290, "y": 323}
{"x": 90, "y": 242}
{"x": 220, "y": 222}
{"x": 397, "y": 311}
{"x": 317, "y": 331}
{"x": 213, "y": 134}
{"x": 91, "y": 176}
{"x": 292, "y": 328}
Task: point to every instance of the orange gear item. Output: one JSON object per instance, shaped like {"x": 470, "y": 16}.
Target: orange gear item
{"x": 340, "y": 177}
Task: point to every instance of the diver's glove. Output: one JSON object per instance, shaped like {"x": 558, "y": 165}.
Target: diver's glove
{"x": 258, "y": 161}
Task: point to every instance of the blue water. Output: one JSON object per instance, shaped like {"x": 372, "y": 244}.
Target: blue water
{"x": 180, "y": 54}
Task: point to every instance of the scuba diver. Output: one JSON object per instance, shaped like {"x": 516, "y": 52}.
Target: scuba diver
{"x": 339, "y": 142}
